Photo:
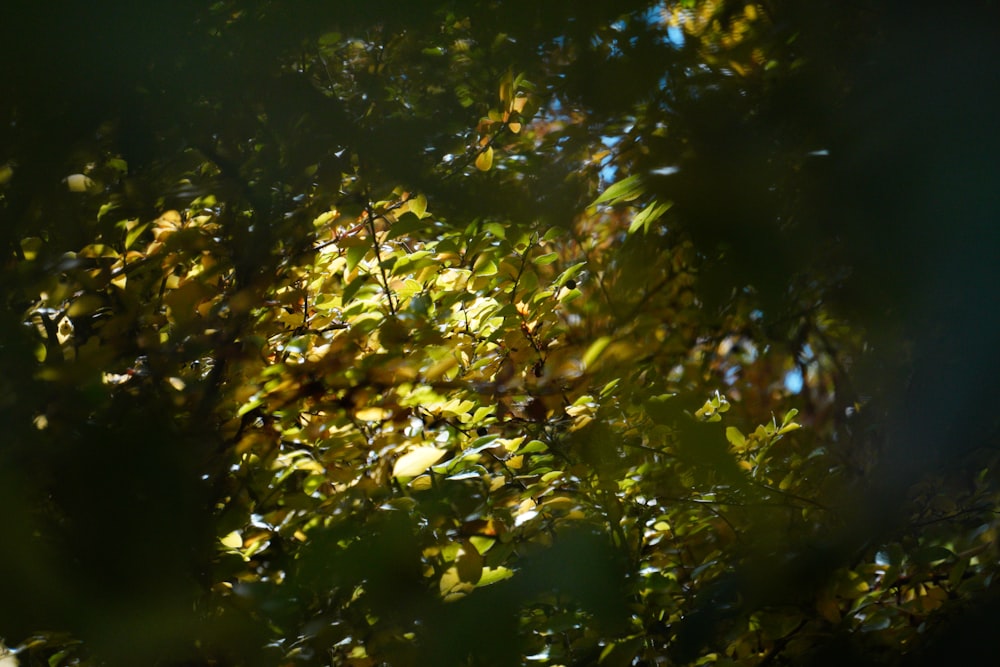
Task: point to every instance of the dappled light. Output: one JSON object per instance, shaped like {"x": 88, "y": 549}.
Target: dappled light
{"x": 494, "y": 334}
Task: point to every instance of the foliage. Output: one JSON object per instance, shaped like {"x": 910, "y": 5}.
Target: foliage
{"x": 485, "y": 335}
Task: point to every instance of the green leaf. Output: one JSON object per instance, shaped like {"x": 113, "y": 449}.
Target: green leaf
{"x": 648, "y": 216}
{"x": 569, "y": 273}
{"x": 735, "y": 438}
{"x": 404, "y": 226}
{"x": 485, "y": 267}
{"x": 547, "y": 258}
{"x": 105, "y": 209}
{"x": 412, "y": 262}
{"x": 492, "y": 575}
{"x": 553, "y": 233}
{"x": 595, "y": 350}
{"x": 418, "y": 206}
{"x": 928, "y": 555}
{"x": 610, "y": 387}
{"x": 620, "y": 653}
{"x": 352, "y": 289}
{"x": 355, "y": 254}
{"x": 134, "y": 234}
{"x": 624, "y": 190}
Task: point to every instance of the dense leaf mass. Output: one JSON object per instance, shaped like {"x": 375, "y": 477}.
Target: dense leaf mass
{"x": 498, "y": 333}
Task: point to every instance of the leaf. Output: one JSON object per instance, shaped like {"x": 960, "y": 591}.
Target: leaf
{"x": 595, "y": 350}
{"x": 352, "y": 289}
{"x": 569, "y": 273}
{"x": 404, "y": 226}
{"x": 621, "y": 653}
{"x": 469, "y": 564}
{"x": 648, "y": 216}
{"x": 788, "y": 428}
{"x": 851, "y": 585}
{"x": 451, "y": 585}
{"x": 79, "y": 183}
{"x": 735, "y": 438}
{"x": 30, "y": 246}
{"x": 418, "y": 206}
{"x": 134, "y": 234}
{"x": 624, "y": 190}
{"x": 492, "y": 575}
{"x": 355, "y": 254}
{"x": 233, "y": 540}
{"x": 928, "y": 555}
{"x": 506, "y": 92}
{"x": 105, "y": 209}
{"x": 547, "y": 258}
{"x": 485, "y": 160}
{"x": 416, "y": 461}
{"x": 485, "y": 266}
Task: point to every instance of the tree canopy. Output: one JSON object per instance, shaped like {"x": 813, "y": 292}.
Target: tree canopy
{"x": 498, "y": 333}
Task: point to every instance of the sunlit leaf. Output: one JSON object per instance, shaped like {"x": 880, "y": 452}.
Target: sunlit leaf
{"x": 418, "y": 206}
{"x": 232, "y": 541}
{"x": 416, "y": 461}
{"x": 648, "y": 216}
{"x": 624, "y": 190}
{"x": 491, "y": 575}
{"x": 485, "y": 159}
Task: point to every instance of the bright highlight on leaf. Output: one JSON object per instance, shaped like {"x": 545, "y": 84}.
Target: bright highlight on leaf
{"x": 648, "y": 216}
{"x": 233, "y": 540}
{"x": 624, "y": 190}
{"x": 416, "y": 461}
{"x": 388, "y": 409}
{"x": 485, "y": 160}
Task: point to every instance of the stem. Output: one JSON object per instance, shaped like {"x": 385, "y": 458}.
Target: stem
{"x": 370, "y": 222}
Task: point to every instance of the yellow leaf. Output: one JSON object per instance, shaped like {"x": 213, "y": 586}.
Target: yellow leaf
{"x": 451, "y": 585}
{"x": 416, "y": 461}
{"x": 233, "y": 540}
{"x": 735, "y": 438}
{"x": 79, "y": 183}
{"x": 506, "y": 87}
{"x": 439, "y": 368}
{"x": 485, "y": 160}
{"x": 482, "y": 544}
{"x": 421, "y": 483}
{"x": 373, "y": 414}
{"x": 418, "y": 206}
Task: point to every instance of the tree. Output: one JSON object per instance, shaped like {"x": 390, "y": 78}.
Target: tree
{"x": 645, "y": 333}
